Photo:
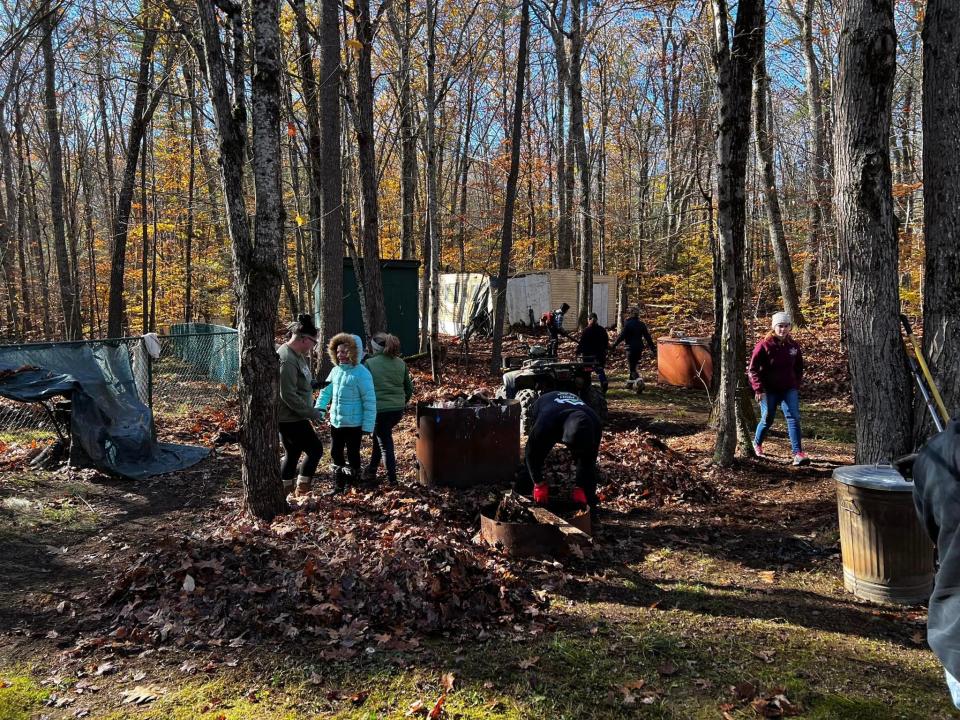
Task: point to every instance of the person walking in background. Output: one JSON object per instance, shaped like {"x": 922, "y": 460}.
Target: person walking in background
{"x": 594, "y": 342}
{"x": 635, "y": 335}
{"x": 776, "y": 371}
{"x": 353, "y": 407}
{"x": 393, "y": 388}
{"x": 296, "y": 408}
{"x": 553, "y": 322}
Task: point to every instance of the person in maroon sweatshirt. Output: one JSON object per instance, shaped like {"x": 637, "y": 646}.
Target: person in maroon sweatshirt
{"x": 775, "y": 372}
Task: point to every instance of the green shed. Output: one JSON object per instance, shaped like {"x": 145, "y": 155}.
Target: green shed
{"x": 401, "y": 292}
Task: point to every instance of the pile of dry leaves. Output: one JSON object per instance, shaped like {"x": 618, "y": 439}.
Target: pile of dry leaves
{"x": 361, "y": 570}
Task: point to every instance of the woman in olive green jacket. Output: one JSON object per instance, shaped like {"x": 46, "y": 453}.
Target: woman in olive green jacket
{"x": 296, "y": 407}
{"x": 394, "y": 388}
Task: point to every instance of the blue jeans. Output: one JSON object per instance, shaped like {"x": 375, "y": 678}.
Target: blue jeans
{"x": 789, "y": 401}
{"x": 954, "y": 685}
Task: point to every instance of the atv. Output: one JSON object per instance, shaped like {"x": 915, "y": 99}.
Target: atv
{"x": 542, "y": 372}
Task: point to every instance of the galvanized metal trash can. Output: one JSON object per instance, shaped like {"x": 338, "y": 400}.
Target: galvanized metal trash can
{"x": 887, "y": 556}
{"x": 467, "y": 446}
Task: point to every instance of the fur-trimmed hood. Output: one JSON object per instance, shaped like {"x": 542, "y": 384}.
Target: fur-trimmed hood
{"x": 355, "y": 346}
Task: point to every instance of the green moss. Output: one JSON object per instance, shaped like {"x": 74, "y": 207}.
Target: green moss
{"x": 20, "y": 697}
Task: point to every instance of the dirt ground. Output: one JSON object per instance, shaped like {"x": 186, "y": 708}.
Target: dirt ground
{"x": 711, "y": 593}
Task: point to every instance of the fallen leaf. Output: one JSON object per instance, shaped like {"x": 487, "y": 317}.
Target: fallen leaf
{"x": 359, "y": 698}
{"x": 417, "y": 708}
{"x": 768, "y": 576}
{"x": 447, "y": 681}
{"x": 189, "y": 584}
{"x": 668, "y": 668}
{"x": 529, "y": 662}
{"x": 106, "y": 668}
{"x": 140, "y": 695}
{"x": 437, "y": 711}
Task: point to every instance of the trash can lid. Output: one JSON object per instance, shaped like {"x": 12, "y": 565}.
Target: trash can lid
{"x": 872, "y": 477}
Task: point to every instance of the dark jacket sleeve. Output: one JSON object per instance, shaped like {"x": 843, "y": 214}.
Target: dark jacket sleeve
{"x": 798, "y": 367}
{"x": 646, "y": 336}
{"x": 936, "y": 494}
{"x": 756, "y": 366}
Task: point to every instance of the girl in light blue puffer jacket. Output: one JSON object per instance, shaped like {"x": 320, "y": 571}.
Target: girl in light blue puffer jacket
{"x": 353, "y": 406}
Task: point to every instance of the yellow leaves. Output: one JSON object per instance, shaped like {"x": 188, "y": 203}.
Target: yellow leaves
{"x": 355, "y": 45}
{"x": 300, "y": 220}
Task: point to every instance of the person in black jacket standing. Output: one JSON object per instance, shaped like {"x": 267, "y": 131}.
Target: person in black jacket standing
{"x": 594, "y": 342}
{"x": 562, "y": 417}
{"x": 936, "y": 495}
{"x": 635, "y": 335}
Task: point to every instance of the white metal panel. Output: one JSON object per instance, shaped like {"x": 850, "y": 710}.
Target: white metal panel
{"x": 601, "y": 294}
{"x": 525, "y": 294}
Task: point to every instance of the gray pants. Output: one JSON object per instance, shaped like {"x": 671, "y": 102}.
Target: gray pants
{"x": 510, "y": 383}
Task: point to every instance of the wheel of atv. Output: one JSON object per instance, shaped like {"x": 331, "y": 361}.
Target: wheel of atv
{"x": 527, "y": 398}
{"x": 597, "y": 402}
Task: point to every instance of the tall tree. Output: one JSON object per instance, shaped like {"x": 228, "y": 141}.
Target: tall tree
{"x": 66, "y": 280}
{"x": 762, "y": 115}
{"x": 734, "y": 65}
{"x": 365, "y": 29}
{"x": 331, "y": 247}
{"x": 143, "y": 109}
{"x": 579, "y": 142}
{"x": 867, "y": 231}
{"x": 256, "y": 255}
{"x": 510, "y": 200}
{"x": 941, "y": 196}
{"x": 819, "y": 204}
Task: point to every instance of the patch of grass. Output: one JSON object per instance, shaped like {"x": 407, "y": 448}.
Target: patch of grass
{"x": 26, "y": 435}
{"x": 20, "y": 697}
{"x": 823, "y": 424}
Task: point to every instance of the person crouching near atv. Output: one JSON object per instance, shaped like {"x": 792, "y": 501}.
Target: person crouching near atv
{"x": 353, "y": 407}
{"x": 635, "y": 335}
{"x": 562, "y": 417}
{"x": 775, "y": 371}
{"x": 594, "y": 342}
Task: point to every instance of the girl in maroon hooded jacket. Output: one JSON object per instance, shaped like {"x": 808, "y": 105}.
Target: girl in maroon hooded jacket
{"x": 775, "y": 372}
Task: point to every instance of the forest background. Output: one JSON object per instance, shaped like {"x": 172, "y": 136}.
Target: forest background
{"x": 473, "y": 136}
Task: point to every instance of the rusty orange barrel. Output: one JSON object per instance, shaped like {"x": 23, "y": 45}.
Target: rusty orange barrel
{"x": 887, "y": 556}
{"x": 684, "y": 361}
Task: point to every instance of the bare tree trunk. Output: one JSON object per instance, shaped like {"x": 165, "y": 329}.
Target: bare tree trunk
{"x": 866, "y": 227}
{"x": 71, "y": 309}
{"x": 820, "y": 201}
{"x": 256, "y": 258}
{"x": 778, "y": 240}
{"x": 366, "y": 156}
{"x": 138, "y": 124}
{"x": 734, "y": 66}
{"x": 431, "y": 225}
{"x": 510, "y": 200}
{"x": 191, "y": 182}
{"x": 583, "y": 162}
{"x": 330, "y": 251}
{"x": 941, "y": 193}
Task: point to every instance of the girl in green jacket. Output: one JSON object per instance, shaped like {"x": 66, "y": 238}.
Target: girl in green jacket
{"x": 394, "y": 388}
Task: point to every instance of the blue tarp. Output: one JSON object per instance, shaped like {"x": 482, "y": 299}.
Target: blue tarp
{"x": 108, "y": 420}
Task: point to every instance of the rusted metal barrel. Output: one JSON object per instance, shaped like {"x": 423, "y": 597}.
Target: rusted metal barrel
{"x": 680, "y": 360}
{"x": 519, "y": 539}
{"x": 887, "y": 556}
{"x": 473, "y": 445}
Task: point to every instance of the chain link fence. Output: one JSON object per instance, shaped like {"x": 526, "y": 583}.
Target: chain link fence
{"x": 193, "y": 368}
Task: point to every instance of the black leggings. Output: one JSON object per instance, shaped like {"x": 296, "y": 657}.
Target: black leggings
{"x": 297, "y": 438}
{"x": 349, "y": 438}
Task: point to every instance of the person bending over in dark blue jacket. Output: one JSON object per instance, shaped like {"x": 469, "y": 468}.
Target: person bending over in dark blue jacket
{"x": 635, "y": 335}
{"x": 562, "y": 417}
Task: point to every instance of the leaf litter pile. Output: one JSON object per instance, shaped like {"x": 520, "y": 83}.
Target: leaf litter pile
{"x": 359, "y": 570}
